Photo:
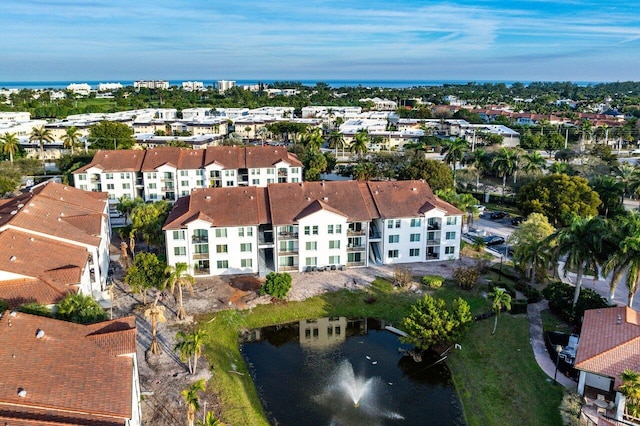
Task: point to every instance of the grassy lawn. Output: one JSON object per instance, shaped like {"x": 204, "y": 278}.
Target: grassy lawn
{"x": 551, "y": 322}
{"x": 493, "y": 379}
{"x": 499, "y": 381}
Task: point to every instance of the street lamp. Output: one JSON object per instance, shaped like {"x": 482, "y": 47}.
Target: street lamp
{"x": 558, "y": 350}
{"x": 500, "y": 275}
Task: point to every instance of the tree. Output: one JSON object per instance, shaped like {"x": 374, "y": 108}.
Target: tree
{"x": 464, "y": 202}
{"x": 557, "y": 196}
{"x": 211, "y": 420}
{"x": 431, "y": 323}
{"x": 178, "y": 278}
{"x": 190, "y": 346}
{"x": 277, "y": 285}
{"x": 533, "y": 162}
{"x": 336, "y": 141}
{"x": 315, "y": 163}
{"x": 41, "y": 135}
{"x": 480, "y": 162}
{"x": 364, "y": 170}
{"x": 501, "y": 299}
{"x": 146, "y": 273}
{"x": 126, "y": 206}
{"x": 624, "y": 259}
{"x": 360, "y": 144}
{"x": 530, "y": 242}
{"x": 435, "y": 172}
{"x": 610, "y": 190}
{"x": 581, "y": 243}
{"x": 454, "y": 151}
{"x": 192, "y": 400}
{"x": 630, "y": 388}
{"x": 10, "y": 144}
{"x": 148, "y": 219}
{"x": 71, "y": 138}
{"x": 81, "y": 309}
{"x": 156, "y": 314}
{"x": 110, "y": 135}
{"x": 506, "y": 164}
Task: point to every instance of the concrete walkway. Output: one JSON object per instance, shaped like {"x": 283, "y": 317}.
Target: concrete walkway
{"x": 539, "y": 349}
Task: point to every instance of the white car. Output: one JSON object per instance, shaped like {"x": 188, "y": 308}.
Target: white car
{"x": 479, "y": 208}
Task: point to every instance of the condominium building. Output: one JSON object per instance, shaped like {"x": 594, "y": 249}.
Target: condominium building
{"x": 151, "y": 84}
{"x": 224, "y": 85}
{"x": 192, "y": 86}
{"x": 171, "y": 172}
{"x": 310, "y": 225}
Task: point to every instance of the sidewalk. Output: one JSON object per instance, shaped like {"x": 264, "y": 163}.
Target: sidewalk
{"x": 539, "y": 349}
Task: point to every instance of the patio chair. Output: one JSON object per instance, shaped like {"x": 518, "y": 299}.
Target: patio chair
{"x": 601, "y": 397}
{"x": 587, "y": 402}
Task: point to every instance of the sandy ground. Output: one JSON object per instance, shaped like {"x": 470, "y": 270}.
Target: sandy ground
{"x": 164, "y": 376}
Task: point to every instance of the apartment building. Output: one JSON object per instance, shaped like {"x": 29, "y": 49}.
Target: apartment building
{"x": 310, "y": 225}
{"x": 170, "y": 172}
{"x": 151, "y": 84}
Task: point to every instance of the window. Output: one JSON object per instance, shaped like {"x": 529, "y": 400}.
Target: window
{"x": 82, "y": 177}
{"x": 229, "y": 183}
{"x": 245, "y": 247}
{"x": 390, "y": 224}
{"x": 315, "y": 230}
{"x": 452, "y": 220}
{"x": 449, "y": 250}
{"x": 221, "y": 233}
{"x": 246, "y": 263}
{"x": 184, "y": 173}
{"x": 307, "y": 230}
{"x": 167, "y": 175}
{"x": 152, "y": 175}
{"x": 85, "y": 188}
{"x": 108, "y": 176}
{"x": 184, "y": 193}
{"x": 392, "y": 254}
{"x": 294, "y": 170}
{"x": 222, "y": 264}
{"x": 311, "y": 261}
{"x": 109, "y": 196}
{"x": 255, "y": 182}
{"x": 200, "y": 182}
{"x": 178, "y": 235}
{"x": 240, "y": 232}
{"x": 126, "y": 186}
{"x": 269, "y": 171}
{"x": 414, "y": 252}
{"x": 451, "y": 235}
{"x": 414, "y": 238}
{"x": 111, "y": 186}
{"x": 180, "y": 251}
{"x": 334, "y": 244}
{"x": 184, "y": 183}
{"x": 151, "y": 196}
{"x": 394, "y": 238}
{"x": 311, "y": 245}
{"x": 329, "y": 229}
{"x": 249, "y": 231}
{"x": 398, "y": 223}
{"x": 153, "y": 186}
{"x": 415, "y": 223}
{"x": 201, "y": 249}
{"x": 200, "y": 172}
{"x": 222, "y": 248}
{"x": 270, "y": 181}
{"x": 295, "y": 180}
{"x": 338, "y": 229}
{"x": 334, "y": 260}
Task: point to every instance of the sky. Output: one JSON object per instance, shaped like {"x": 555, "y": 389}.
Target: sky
{"x": 505, "y": 40}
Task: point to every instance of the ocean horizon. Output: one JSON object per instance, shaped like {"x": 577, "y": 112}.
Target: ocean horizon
{"x": 391, "y": 84}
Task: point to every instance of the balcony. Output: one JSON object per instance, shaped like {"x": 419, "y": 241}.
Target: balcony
{"x": 288, "y": 252}
{"x": 167, "y": 189}
{"x": 201, "y": 256}
{"x": 95, "y": 178}
{"x": 201, "y": 271}
{"x": 199, "y": 240}
{"x": 433, "y": 242}
{"x": 353, "y": 232}
{"x": 288, "y": 268}
{"x": 360, "y": 263}
{"x": 433, "y": 256}
{"x": 433, "y": 226}
{"x": 355, "y": 248}
{"x": 166, "y": 179}
{"x": 284, "y": 235}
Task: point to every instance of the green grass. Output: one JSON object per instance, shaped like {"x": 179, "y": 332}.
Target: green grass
{"x": 498, "y": 379}
{"x": 551, "y": 322}
{"x": 493, "y": 379}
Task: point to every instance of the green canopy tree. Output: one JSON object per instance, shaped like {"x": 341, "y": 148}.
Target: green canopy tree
{"x": 315, "y": 163}
{"x": 610, "y": 190}
{"x": 127, "y": 205}
{"x": 146, "y": 273}
{"x": 530, "y": 243}
{"x": 148, "y": 218}
{"x": 364, "y": 170}
{"x": 431, "y": 323}
{"x": 506, "y": 164}
{"x": 434, "y": 172}
{"x": 630, "y": 388}
{"x": 81, "y": 309}
{"x": 110, "y": 135}
{"x": 533, "y": 162}
{"x": 336, "y": 141}
{"x": 190, "y": 347}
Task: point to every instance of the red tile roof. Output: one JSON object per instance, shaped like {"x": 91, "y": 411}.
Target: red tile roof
{"x": 67, "y": 375}
{"x": 122, "y": 160}
{"x": 286, "y": 203}
{"x": 609, "y": 342}
{"x": 19, "y": 291}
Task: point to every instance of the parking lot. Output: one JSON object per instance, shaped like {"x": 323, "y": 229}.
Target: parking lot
{"x": 485, "y": 227}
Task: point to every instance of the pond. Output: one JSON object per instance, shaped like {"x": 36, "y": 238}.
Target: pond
{"x": 339, "y": 371}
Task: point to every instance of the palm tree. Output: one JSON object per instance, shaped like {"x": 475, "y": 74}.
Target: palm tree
{"x": 185, "y": 347}
{"x": 630, "y": 388}
{"x": 478, "y": 159}
{"x": 364, "y": 171}
{"x": 536, "y": 254}
{"x": 559, "y": 167}
{"x": 192, "y": 400}
{"x": 336, "y": 140}
{"x": 628, "y": 175}
{"x": 624, "y": 261}
{"x": 501, "y": 299}
{"x": 10, "y": 144}
{"x": 156, "y": 314}
{"x": 71, "y": 138}
{"x": 313, "y": 138}
{"x": 41, "y": 135}
{"x": 581, "y": 243}
{"x": 454, "y": 151}
{"x": 586, "y": 131}
{"x": 360, "y": 144}
{"x": 506, "y": 163}
{"x": 178, "y": 278}
{"x": 534, "y": 162}
{"x": 210, "y": 420}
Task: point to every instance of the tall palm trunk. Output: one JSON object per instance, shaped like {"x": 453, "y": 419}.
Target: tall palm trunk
{"x": 576, "y": 294}
{"x": 495, "y": 324}
{"x": 195, "y": 361}
{"x": 533, "y": 273}
{"x": 181, "y": 312}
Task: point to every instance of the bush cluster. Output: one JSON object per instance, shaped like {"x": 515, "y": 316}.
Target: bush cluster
{"x": 560, "y": 297}
{"x": 466, "y": 276}
{"x": 433, "y": 281}
{"x": 277, "y": 285}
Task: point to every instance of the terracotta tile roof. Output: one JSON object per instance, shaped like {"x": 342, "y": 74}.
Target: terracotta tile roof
{"x": 286, "y": 203}
{"x": 65, "y": 373}
{"x": 609, "y": 342}
{"x": 408, "y": 198}
{"x": 31, "y": 417}
{"x": 265, "y": 156}
{"x": 17, "y": 292}
{"x": 122, "y": 160}
{"x": 154, "y": 158}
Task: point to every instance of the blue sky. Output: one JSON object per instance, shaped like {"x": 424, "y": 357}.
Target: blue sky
{"x": 576, "y": 40}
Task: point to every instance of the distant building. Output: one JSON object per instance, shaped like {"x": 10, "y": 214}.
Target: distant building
{"x": 151, "y": 84}
{"x": 224, "y": 85}
{"x": 192, "y": 86}
{"x": 80, "y": 88}
{"x": 103, "y": 87}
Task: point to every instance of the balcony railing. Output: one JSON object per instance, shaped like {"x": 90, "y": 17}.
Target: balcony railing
{"x": 433, "y": 242}
{"x": 285, "y": 235}
{"x": 166, "y": 179}
{"x": 355, "y": 248}
{"x": 355, "y": 232}
{"x": 201, "y": 271}
{"x": 433, "y": 255}
{"x": 433, "y": 226}
{"x": 288, "y": 268}
{"x": 201, "y": 256}
{"x": 360, "y": 263}
{"x": 288, "y": 252}
{"x": 199, "y": 240}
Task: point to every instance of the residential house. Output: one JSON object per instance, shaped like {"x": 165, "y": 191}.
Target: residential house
{"x": 609, "y": 344}
{"x": 170, "y": 172}
{"x": 55, "y": 240}
{"x": 58, "y": 373}
{"x": 309, "y": 225}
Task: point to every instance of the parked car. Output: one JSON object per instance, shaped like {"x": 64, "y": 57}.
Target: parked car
{"x": 479, "y": 208}
{"x": 494, "y": 240}
{"x": 516, "y": 221}
{"x": 498, "y": 215}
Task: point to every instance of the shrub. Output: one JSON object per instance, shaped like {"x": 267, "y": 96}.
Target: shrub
{"x": 80, "y": 309}
{"x": 277, "y": 285}
{"x": 519, "y": 307}
{"x": 560, "y": 297}
{"x": 3, "y": 305}
{"x": 466, "y": 276}
{"x": 433, "y": 281}
{"x": 402, "y": 276}
{"x": 34, "y": 308}
{"x": 533, "y": 295}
